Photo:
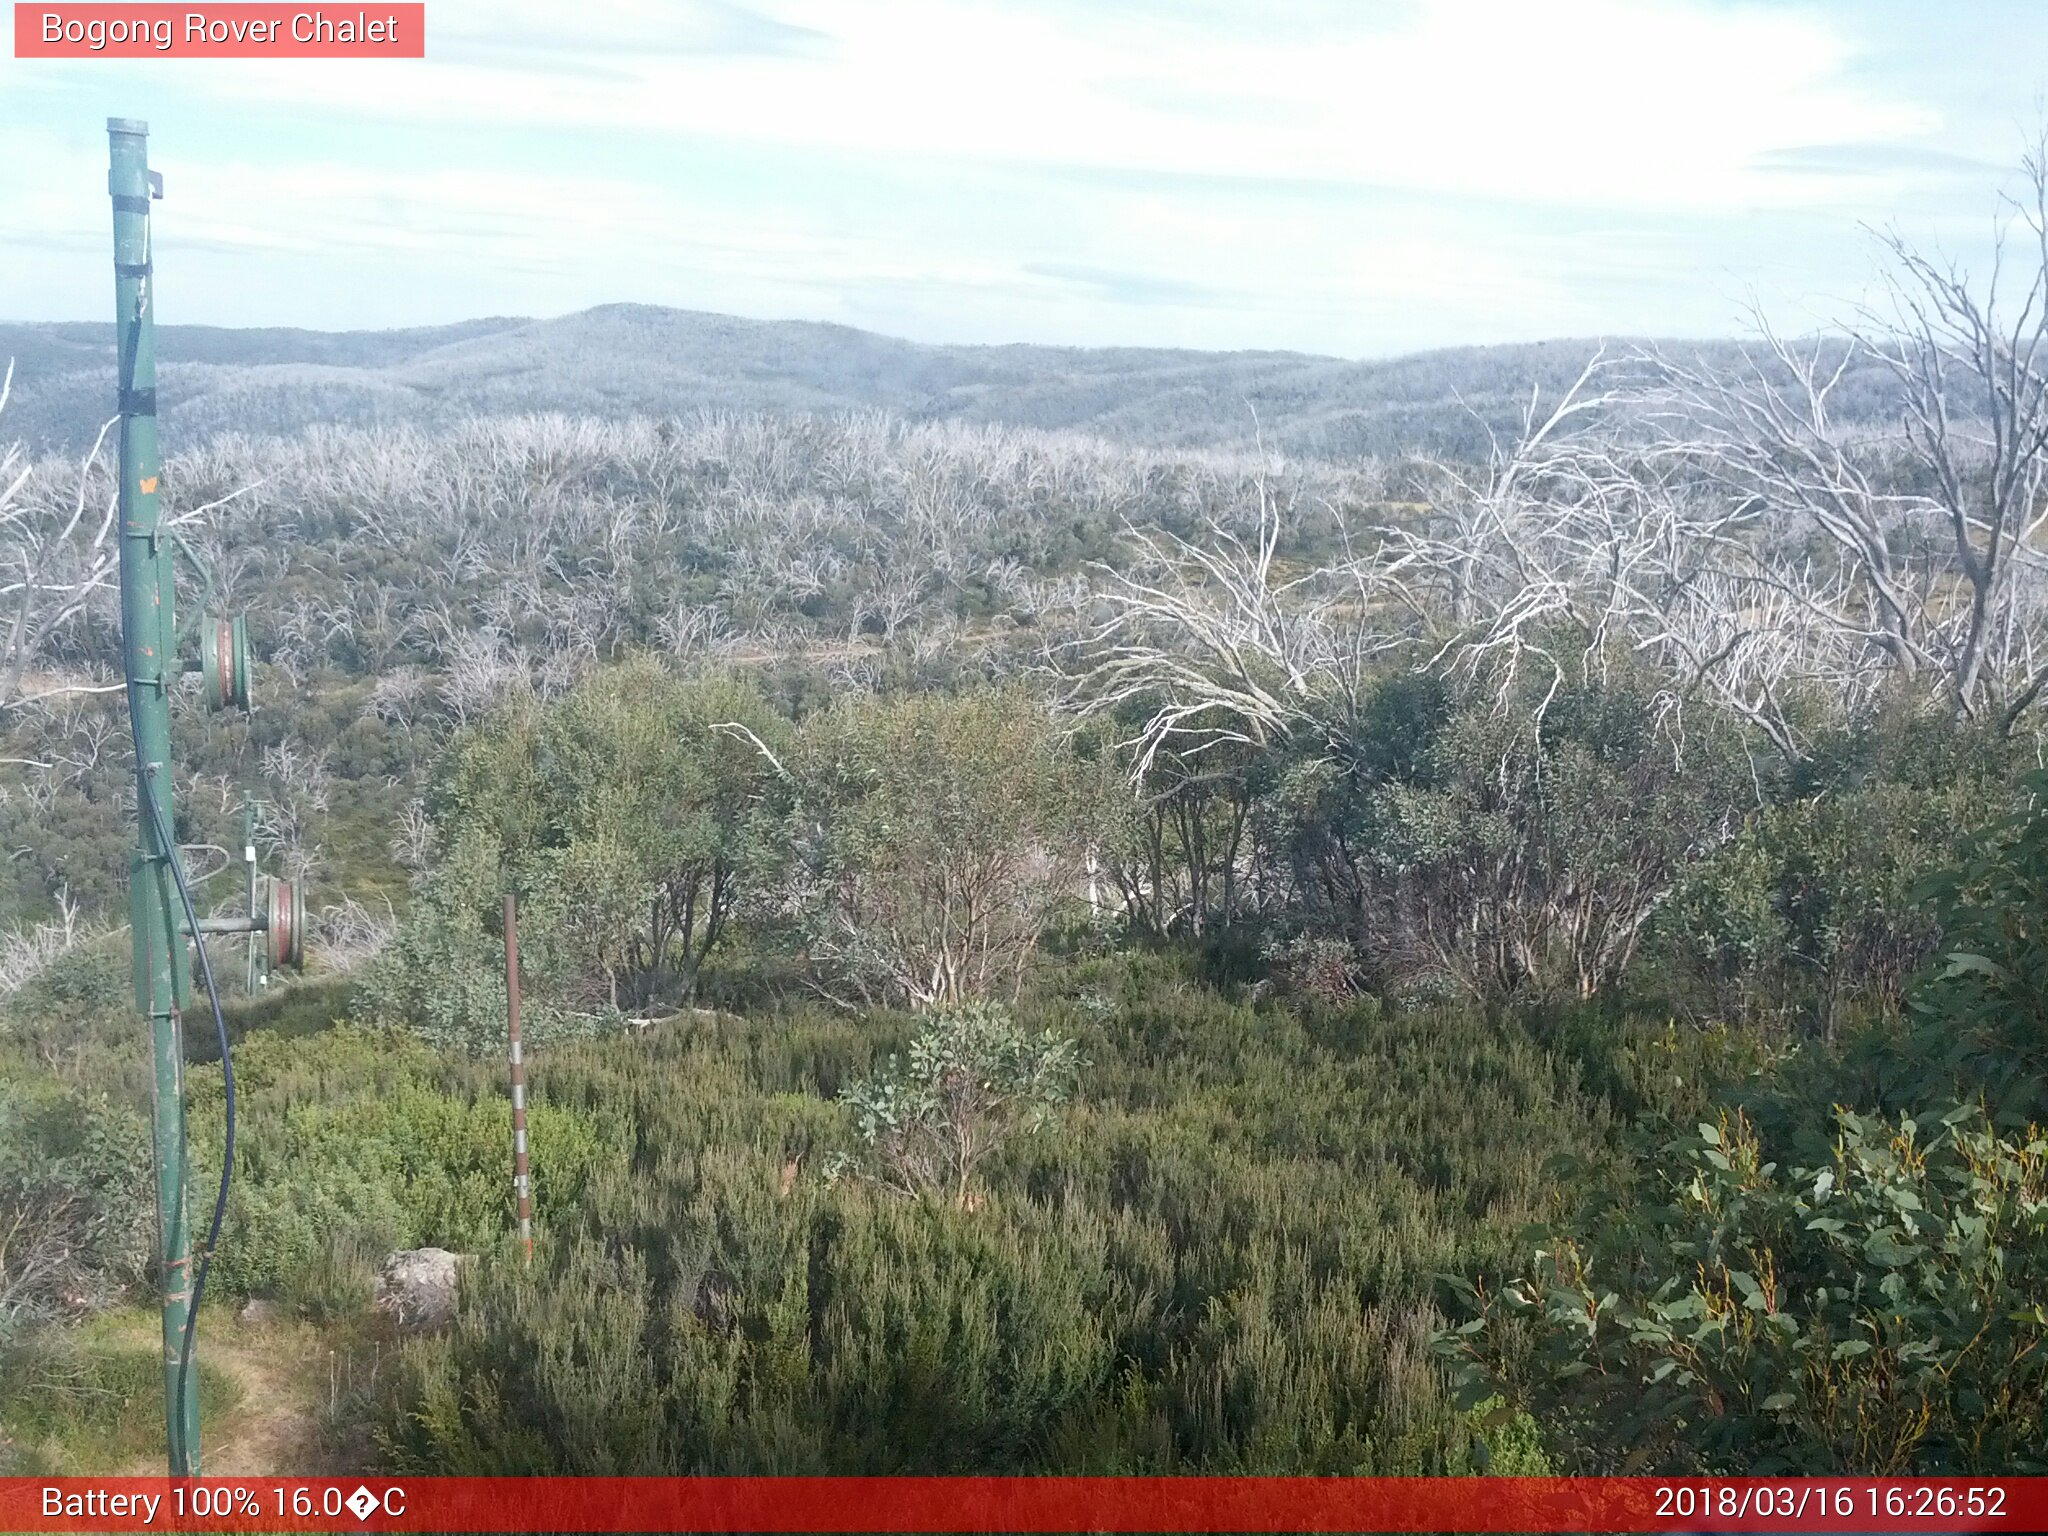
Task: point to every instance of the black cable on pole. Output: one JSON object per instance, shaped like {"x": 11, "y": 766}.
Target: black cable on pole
{"x": 227, "y": 1077}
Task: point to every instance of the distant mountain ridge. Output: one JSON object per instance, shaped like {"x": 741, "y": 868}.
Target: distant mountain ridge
{"x": 642, "y": 360}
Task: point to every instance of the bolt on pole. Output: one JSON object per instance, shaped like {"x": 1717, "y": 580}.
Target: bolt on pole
{"x": 522, "y": 1184}
{"x": 148, "y": 632}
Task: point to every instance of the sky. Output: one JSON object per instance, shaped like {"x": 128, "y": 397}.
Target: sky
{"x": 1351, "y": 177}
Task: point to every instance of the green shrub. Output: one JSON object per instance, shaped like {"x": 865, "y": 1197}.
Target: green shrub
{"x": 1982, "y": 1013}
{"x": 352, "y": 1144}
{"x": 442, "y": 977}
{"x": 1501, "y": 848}
{"x": 970, "y": 1082}
{"x": 1506, "y": 1441}
{"x": 935, "y": 840}
{"x": 89, "y": 978}
{"x": 1221, "y": 1262}
{"x": 1877, "y": 1311}
{"x": 75, "y": 1214}
{"x": 630, "y": 817}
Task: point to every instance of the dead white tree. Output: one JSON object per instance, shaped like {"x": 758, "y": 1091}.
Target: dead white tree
{"x": 481, "y": 668}
{"x": 1556, "y": 542}
{"x": 282, "y": 831}
{"x": 1475, "y": 521}
{"x": 26, "y": 952}
{"x": 1579, "y": 551}
{"x": 412, "y": 845}
{"x": 1553, "y": 556}
{"x": 401, "y": 696}
{"x": 347, "y": 934}
{"x": 54, "y": 560}
{"x": 299, "y": 773}
{"x": 1975, "y": 393}
{"x": 1916, "y": 544}
{"x": 690, "y": 630}
{"x": 1218, "y": 645}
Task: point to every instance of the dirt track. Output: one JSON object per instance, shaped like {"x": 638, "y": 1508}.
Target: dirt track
{"x": 278, "y": 1426}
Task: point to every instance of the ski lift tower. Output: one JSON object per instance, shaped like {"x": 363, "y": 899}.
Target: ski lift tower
{"x": 166, "y": 926}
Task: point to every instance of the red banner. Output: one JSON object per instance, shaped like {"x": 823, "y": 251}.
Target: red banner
{"x": 932, "y": 1504}
{"x": 375, "y": 30}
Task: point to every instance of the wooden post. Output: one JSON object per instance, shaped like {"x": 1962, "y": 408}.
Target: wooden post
{"x": 522, "y": 1185}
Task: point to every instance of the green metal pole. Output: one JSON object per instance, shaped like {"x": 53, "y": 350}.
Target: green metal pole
{"x": 148, "y": 629}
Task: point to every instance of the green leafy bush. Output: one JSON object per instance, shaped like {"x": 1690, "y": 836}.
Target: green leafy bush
{"x": 631, "y": 817}
{"x": 971, "y": 1081}
{"x": 1983, "y": 1011}
{"x": 1501, "y": 848}
{"x": 936, "y": 839}
{"x": 1818, "y": 907}
{"x": 442, "y": 977}
{"x": 1876, "y": 1311}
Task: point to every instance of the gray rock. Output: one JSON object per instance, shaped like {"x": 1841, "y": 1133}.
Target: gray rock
{"x": 417, "y": 1287}
{"x": 259, "y": 1310}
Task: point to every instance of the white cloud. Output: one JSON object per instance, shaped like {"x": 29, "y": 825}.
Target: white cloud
{"x": 1333, "y": 175}
{"x": 1637, "y": 103}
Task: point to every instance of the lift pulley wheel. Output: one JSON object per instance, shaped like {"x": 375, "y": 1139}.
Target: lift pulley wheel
{"x": 284, "y": 913}
{"x": 224, "y": 662}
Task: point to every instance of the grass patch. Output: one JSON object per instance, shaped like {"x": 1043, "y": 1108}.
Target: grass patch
{"x": 84, "y": 1401}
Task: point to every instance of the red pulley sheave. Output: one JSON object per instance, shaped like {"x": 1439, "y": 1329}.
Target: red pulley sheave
{"x": 285, "y": 915}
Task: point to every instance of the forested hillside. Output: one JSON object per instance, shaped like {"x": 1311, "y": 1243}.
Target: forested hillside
{"x": 1160, "y": 947}
{"x": 627, "y": 360}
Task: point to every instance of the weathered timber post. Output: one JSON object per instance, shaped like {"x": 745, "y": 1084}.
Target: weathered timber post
{"x": 522, "y": 1184}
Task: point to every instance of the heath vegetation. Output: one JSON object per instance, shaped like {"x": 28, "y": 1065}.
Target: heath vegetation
{"x": 1046, "y": 952}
